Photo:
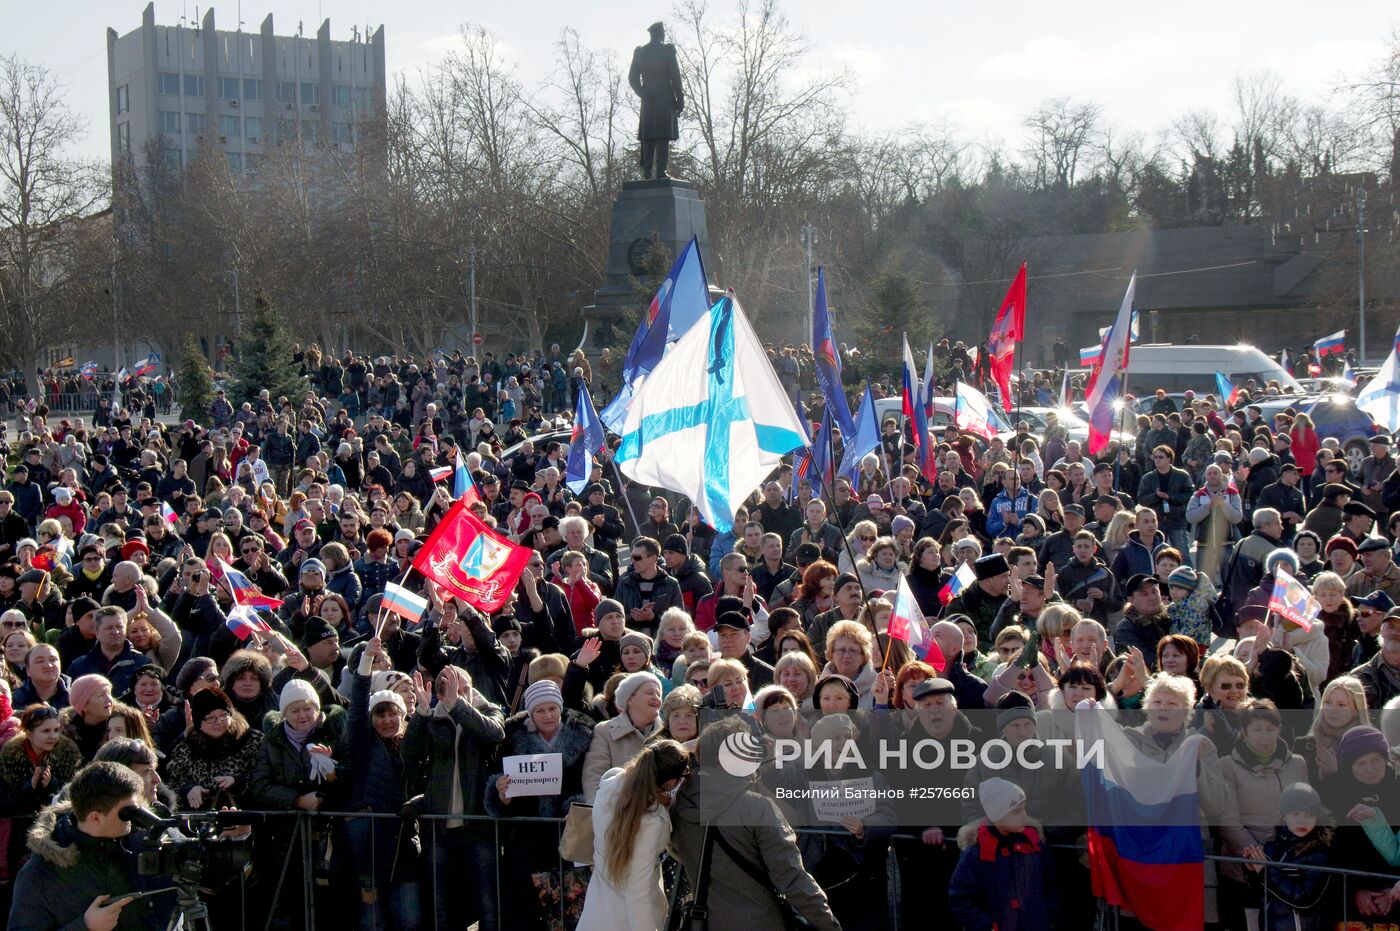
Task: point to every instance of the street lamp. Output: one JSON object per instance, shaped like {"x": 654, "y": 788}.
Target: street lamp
{"x": 1361, "y": 268}
{"x": 809, "y": 239}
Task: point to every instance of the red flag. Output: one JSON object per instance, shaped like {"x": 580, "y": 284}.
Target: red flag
{"x": 1008, "y": 330}
{"x": 470, "y": 560}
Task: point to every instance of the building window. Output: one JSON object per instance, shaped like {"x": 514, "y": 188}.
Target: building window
{"x": 170, "y": 156}
{"x": 124, "y": 137}
{"x": 286, "y": 131}
{"x": 167, "y": 83}
{"x": 235, "y": 161}
{"x": 194, "y": 85}
{"x": 286, "y": 91}
{"x": 311, "y": 132}
{"x": 228, "y": 87}
{"x": 362, "y": 98}
{"x": 341, "y": 93}
{"x": 251, "y": 163}
{"x": 252, "y": 89}
{"x": 229, "y": 127}
{"x": 252, "y": 129}
{"x": 340, "y": 133}
{"x": 169, "y": 122}
{"x": 124, "y": 99}
{"x": 195, "y": 124}
{"x": 310, "y": 92}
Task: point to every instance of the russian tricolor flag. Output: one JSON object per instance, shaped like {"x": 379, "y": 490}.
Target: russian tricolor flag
{"x": 244, "y": 622}
{"x": 961, "y": 579}
{"x": 1106, "y": 380}
{"x": 1145, "y": 847}
{"x": 973, "y": 413}
{"x": 1090, "y": 354}
{"x": 914, "y": 411}
{"x": 907, "y": 624}
{"x": 440, "y": 473}
{"x": 244, "y": 592}
{"x": 403, "y": 602}
{"x": 167, "y": 512}
{"x": 462, "y": 484}
{"x": 1328, "y": 345}
{"x": 148, "y": 365}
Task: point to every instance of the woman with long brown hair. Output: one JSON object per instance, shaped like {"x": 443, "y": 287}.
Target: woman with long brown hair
{"x": 631, "y": 828}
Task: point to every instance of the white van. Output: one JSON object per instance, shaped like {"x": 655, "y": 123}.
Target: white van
{"x": 1180, "y": 368}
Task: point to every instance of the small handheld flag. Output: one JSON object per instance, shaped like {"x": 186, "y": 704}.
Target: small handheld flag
{"x": 244, "y": 592}
{"x": 403, "y": 602}
{"x": 975, "y": 414}
{"x": 244, "y": 622}
{"x": 961, "y": 579}
{"x": 167, "y": 512}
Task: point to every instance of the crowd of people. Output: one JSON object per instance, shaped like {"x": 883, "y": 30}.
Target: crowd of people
{"x": 636, "y": 643}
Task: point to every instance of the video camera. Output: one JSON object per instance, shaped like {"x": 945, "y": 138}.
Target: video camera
{"x": 193, "y": 853}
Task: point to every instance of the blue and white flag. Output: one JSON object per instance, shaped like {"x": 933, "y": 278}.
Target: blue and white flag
{"x": 682, "y": 299}
{"x": 712, "y": 420}
{"x": 1381, "y": 396}
{"x": 588, "y": 437}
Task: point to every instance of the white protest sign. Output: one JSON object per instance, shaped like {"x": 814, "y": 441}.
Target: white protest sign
{"x": 843, "y": 798}
{"x": 534, "y": 774}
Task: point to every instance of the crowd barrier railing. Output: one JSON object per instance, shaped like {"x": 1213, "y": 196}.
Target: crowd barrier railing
{"x": 306, "y": 873}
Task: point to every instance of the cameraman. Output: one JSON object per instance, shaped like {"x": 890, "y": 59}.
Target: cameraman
{"x": 84, "y": 866}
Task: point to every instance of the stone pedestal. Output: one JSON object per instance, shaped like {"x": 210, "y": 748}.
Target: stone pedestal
{"x": 667, "y": 212}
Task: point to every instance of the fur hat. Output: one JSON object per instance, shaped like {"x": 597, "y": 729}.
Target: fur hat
{"x": 548, "y": 664}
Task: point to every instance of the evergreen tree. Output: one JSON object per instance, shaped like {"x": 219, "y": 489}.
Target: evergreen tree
{"x": 192, "y": 378}
{"x": 265, "y": 358}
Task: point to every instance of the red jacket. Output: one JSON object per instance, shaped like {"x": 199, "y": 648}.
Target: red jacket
{"x": 583, "y": 596}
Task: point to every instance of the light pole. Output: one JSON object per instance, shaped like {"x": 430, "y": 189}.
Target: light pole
{"x": 472, "y": 252}
{"x": 1361, "y": 268}
{"x": 116, "y": 328}
{"x": 237, "y": 308}
{"x": 809, "y": 239}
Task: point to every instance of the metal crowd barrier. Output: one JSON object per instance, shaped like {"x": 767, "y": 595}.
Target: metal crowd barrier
{"x": 292, "y": 898}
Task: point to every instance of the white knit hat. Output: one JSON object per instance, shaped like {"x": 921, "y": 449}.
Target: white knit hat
{"x": 298, "y": 690}
{"x": 387, "y": 695}
{"x": 998, "y": 797}
{"x": 627, "y": 686}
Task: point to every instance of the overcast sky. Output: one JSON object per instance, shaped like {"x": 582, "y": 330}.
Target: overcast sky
{"x": 978, "y": 66}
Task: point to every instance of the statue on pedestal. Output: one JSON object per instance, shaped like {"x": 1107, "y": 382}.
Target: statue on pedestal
{"x": 655, "y": 77}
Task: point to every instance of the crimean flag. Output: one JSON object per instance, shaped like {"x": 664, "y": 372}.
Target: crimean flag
{"x": 1229, "y": 392}
{"x": 470, "y": 560}
{"x": 403, "y": 602}
{"x": 1144, "y": 836}
{"x": 961, "y": 579}
{"x": 243, "y": 590}
{"x": 1292, "y": 601}
{"x": 1008, "y": 330}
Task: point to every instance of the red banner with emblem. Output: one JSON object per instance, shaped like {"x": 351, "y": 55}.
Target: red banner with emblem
{"x": 470, "y": 560}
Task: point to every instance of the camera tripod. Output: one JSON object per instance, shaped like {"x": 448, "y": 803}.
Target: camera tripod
{"x": 189, "y": 909}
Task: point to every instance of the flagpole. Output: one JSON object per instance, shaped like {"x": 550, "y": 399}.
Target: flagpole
{"x": 830, "y": 489}
{"x": 622, "y": 492}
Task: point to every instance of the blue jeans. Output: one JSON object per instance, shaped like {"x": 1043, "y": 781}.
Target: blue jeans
{"x": 1181, "y": 540}
{"x": 395, "y": 908}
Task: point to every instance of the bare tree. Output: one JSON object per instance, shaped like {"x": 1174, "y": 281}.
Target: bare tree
{"x": 44, "y": 194}
{"x": 1060, "y": 133}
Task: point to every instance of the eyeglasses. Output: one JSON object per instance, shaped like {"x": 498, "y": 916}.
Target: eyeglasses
{"x": 218, "y": 717}
{"x": 638, "y": 557}
{"x": 742, "y": 570}
{"x": 91, "y": 558}
{"x": 39, "y": 715}
{"x": 700, "y": 683}
{"x": 14, "y": 625}
{"x": 249, "y": 551}
{"x": 209, "y": 677}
